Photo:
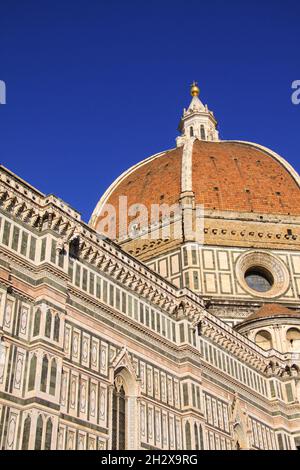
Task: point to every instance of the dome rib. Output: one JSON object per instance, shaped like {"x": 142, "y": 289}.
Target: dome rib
{"x": 230, "y": 176}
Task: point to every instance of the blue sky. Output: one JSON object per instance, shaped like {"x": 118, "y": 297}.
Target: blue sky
{"x": 96, "y": 86}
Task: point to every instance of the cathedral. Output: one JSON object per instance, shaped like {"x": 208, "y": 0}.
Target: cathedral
{"x": 171, "y": 320}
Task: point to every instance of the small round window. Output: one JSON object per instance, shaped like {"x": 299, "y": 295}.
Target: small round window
{"x": 262, "y": 274}
{"x": 259, "y": 279}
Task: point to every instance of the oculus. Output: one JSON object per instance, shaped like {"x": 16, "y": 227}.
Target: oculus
{"x": 262, "y": 274}
{"x": 259, "y": 279}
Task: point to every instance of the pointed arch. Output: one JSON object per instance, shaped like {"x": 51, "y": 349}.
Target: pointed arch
{"x": 188, "y": 437}
{"x": 48, "y": 438}
{"x": 125, "y": 410}
{"x": 123, "y": 363}
{"x": 26, "y": 433}
{"x": 56, "y": 328}
{"x": 44, "y": 374}
{"x": 48, "y": 324}
{"x": 119, "y": 415}
{"x": 53, "y": 374}
{"x": 39, "y": 433}
{"x": 37, "y": 323}
{"x": 32, "y": 373}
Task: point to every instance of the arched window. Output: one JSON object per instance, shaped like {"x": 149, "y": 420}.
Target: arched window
{"x": 44, "y": 374}
{"x": 264, "y": 339}
{"x": 56, "y": 328}
{"x": 48, "y": 435}
{"x": 188, "y": 439}
{"x": 53, "y": 377}
{"x": 293, "y": 338}
{"x": 39, "y": 434}
{"x": 119, "y": 415}
{"x": 196, "y": 436}
{"x": 32, "y": 372}
{"x": 37, "y": 323}
{"x": 26, "y": 433}
{"x": 191, "y": 132}
{"x": 202, "y": 132}
{"x": 48, "y": 324}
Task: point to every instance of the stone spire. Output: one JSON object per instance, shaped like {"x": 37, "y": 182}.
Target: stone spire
{"x": 197, "y": 121}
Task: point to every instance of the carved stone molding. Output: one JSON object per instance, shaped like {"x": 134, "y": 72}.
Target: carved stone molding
{"x": 265, "y": 260}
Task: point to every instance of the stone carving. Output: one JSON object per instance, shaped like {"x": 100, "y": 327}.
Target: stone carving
{"x": 85, "y": 350}
{"x": 83, "y": 397}
{"x": 94, "y": 353}
{"x": 63, "y": 388}
{"x": 143, "y": 420}
{"x": 93, "y": 400}
{"x": 8, "y": 314}
{"x": 102, "y": 403}
{"x": 73, "y": 392}
{"x": 19, "y": 370}
{"x": 24, "y": 317}
{"x": 11, "y": 431}
{"x": 240, "y": 427}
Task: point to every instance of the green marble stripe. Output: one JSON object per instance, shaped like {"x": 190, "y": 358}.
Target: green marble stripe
{"x": 28, "y": 401}
{"x": 80, "y": 422}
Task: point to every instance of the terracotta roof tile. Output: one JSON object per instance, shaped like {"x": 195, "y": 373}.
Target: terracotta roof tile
{"x": 272, "y": 310}
{"x": 226, "y": 176}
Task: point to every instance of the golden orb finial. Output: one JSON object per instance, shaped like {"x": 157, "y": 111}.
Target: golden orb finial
{"x": 195, "y": 89}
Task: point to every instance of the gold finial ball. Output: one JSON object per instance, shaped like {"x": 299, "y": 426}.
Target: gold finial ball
{"x": 195, "y": 89}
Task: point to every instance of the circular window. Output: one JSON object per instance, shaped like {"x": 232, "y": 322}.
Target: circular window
{"x": 262, "y": 274}
{"x": 259, "y": 279}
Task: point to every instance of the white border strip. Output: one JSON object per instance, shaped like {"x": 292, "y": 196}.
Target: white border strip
{"x": 112, "y": 187}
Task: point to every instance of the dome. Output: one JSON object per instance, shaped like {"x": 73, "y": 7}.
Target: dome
{"x": 272, "y": 310}
{"x": 224, "y": 176}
